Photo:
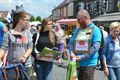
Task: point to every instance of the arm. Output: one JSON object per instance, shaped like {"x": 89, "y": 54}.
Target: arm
{"x": 5, "y": 45}
{"x": 5, "y": 29}
{"x": 71, "y": 43}
{"x": 28, "y": 51}
{"x": 93, "y": 49}
{"x": 52, "y": 38}
{"x": 106, "y": 71}
{"x": 30, "y": 46}
{"x": 1, "y": 54}
{"x": 103, "y": 57}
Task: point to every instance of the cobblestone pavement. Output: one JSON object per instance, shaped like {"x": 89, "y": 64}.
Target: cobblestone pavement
{"x": 59, "y": 73}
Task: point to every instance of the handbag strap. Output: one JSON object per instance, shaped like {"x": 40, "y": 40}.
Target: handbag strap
{"x": 36, "y": 51}
{"x": 37, "y": 39}
{"x": 17, "y": 72}
{"x": 4, "y": 73}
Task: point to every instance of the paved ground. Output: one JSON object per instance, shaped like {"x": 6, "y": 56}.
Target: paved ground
{"x": 60, "y": 74}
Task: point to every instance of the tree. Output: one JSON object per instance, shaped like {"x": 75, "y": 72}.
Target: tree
{"x": 32, "y": 19}
{"x": 38, "y": 18}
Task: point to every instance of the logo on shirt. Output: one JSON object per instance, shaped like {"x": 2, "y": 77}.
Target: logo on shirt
{"x": 22, "y": 39}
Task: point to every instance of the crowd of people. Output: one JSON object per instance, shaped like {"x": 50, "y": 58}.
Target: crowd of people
{"x": 24, "y": 43}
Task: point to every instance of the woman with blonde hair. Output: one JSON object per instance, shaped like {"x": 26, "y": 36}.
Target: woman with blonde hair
{"x": 111, "y": 53}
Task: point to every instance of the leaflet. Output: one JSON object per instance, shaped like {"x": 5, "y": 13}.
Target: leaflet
{"x": 48, "y": 54}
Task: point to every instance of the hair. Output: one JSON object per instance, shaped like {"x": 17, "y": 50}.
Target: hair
{"x": 113, "y": 25}
{"x": 44, "y": 23}
{"x": 18, "y": 16}
{"x": 83, "y": 13}
{"x": 57, "y": 25}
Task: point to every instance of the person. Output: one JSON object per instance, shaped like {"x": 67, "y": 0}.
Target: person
{"x": 33, "y": 29}
{"x": 111, "y": 53}
{"x": 17, "y": 43}
{"x": 59, "y": 33}
{"x": 3, "y": 29}
{"x": 84, "y": 46}
{"x": 61, "y": 41}
{"x": 38, "y": 27}
{"x": 46, "y": 38}
{"x": 104, "y": 35}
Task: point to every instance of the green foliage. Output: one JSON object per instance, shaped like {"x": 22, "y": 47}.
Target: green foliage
{"x": 32, "y": 19}
{"x": 38, "y": 18}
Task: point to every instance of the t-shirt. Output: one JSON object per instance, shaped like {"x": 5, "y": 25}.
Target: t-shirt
{"x": 96, "y": 37}
{"x": 16, "y": 45}
{"x": 60, "y": 36}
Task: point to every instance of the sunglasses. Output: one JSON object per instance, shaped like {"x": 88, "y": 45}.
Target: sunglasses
{"x": 83, "y": 18}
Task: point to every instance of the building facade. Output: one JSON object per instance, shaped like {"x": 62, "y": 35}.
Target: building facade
{"x": 69, "y": 8}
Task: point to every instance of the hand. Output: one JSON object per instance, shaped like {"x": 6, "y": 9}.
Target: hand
{"x": 59, "y": 60}
{"x": 38, "y": 56}
{"x": 72, "y": 55}
{"x": 78, "y": 58}
{"x": 106, "y": 71}
{"x": 65, "y": 55}
{"x": 22, "y": 59}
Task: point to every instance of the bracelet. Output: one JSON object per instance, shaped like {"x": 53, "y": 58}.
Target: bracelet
{"x": 24, "y": 57}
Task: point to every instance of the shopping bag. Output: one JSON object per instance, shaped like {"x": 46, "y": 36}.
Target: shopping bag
{"x": 13, "y": 72}
{"x": 72, "y": 72}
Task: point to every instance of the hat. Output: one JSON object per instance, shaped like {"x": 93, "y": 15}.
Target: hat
{"x": 113, "y": 25}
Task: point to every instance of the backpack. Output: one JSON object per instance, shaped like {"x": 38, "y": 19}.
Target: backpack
{"x": 102, "y": 39}
{"x": 100, "y": 50}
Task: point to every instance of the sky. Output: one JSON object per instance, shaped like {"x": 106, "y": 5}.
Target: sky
{"x": 41, "y": 8}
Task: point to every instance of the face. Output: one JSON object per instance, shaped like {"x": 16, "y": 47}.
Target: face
{"x": 82, "y": 20}
{"x": 25, "y": 22}
{"x": 49, "y": 25}
{"x": 56, "y": 29}
{"x": 115, "y": 31}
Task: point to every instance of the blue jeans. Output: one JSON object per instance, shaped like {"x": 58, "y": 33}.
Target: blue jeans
{"x": 114, "y": 73}
{"x": 28, "y": 71}
{"x": 43, "y": 70}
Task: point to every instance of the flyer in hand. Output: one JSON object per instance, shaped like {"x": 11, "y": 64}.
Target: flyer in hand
{"x": 48, "y": 54}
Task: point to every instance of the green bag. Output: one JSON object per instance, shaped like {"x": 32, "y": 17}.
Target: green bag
{"x": 72, "y": 73}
